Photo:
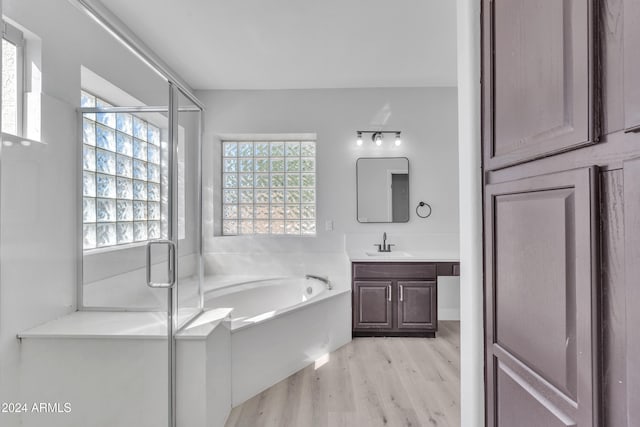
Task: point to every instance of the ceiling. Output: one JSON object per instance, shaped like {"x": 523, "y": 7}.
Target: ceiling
{"x": 299, "y": 44}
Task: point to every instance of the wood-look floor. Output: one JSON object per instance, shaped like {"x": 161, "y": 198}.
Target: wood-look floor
{"x": 368, "y": 382}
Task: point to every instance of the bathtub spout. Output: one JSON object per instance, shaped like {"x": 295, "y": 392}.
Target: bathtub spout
{"x": 321, "y": 278}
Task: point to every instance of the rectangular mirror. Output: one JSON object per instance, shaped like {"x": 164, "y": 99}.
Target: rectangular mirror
{"x": 383, "y": 189}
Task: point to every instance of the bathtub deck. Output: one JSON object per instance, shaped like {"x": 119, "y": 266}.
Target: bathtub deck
{"x": 368, "y": 382}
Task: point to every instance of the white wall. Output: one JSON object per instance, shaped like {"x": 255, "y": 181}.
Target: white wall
{"x": 471, "y": 271}
{"x": 427, "y": 118}
{"x": 38, "y": 228}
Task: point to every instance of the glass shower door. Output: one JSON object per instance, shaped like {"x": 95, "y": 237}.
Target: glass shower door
{"x": 124, "y": 187}
{"x": 140, "y": 182}
{"x": 184, "y": 222}
{"x": 141, "y": 238}
{"x": 187, "y": 217}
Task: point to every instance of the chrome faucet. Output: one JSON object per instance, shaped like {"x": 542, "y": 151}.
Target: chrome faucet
{"x": 324, "y": 279}
{"x": 384, "y": 247}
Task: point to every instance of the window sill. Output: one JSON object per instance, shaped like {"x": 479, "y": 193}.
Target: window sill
{"x": 95, "y": 251}
{"x": 115, "y": 248}
{"x": 9, "y": 140}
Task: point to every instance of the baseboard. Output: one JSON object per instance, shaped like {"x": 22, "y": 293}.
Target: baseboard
{"x": 448, "y": 314}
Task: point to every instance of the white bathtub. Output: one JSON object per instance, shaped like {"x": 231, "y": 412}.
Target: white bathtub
{"x": 279, "y": 326}
{"x": 260, "y": 300}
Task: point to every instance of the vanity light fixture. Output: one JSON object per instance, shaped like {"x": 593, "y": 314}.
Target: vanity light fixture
{"x": 377, "y": 137}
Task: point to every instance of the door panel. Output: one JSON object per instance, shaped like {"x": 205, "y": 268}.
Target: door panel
{"x": 417, "y": 305}
{"x": 540, "y": 80}
{"x": 372, "y": 305}
{"x": 632, "y": 273}
{"x": 614, "y": 317}
{"x": 541, "y": 296}
{"x": 529, "y": 280}
{"x": 515, "y": 398}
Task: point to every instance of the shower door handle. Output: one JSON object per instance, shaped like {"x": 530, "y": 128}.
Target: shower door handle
{"x": 171, "y": 267}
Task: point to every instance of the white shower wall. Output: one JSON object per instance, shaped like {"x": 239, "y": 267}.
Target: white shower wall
{"x": 38, "y": 210}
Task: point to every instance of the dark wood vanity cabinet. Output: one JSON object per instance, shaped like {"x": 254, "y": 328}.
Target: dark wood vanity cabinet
{"x": 397, "y": 298}
{"x": 417, "y": 305}
{"x": 373, "y": 302}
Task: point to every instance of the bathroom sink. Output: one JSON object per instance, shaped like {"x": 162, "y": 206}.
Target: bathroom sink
{"x": 395, "y": 254}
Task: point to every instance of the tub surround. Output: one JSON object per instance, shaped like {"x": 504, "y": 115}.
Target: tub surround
{"x": 279, "y": 326}
{"x": 271, "y": 350}
{"x": 117, "y": 350}
{"x": 222, "y": 361}
{"x": 255, "y": 301}
{"x": 265, "y": 263}
{"x": 218, "y": 282}
{"x": 124, "y": 325}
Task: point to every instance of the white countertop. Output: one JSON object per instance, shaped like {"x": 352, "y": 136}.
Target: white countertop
{"x": 124, "y": 325}
{"x": 403, "y": 256}
{"x": 205, "y": 323}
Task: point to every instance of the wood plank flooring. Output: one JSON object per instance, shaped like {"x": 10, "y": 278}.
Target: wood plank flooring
{"x": 368, "y": 382}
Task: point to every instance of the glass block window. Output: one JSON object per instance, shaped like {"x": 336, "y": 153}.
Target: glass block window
{"x": 268, "y": 187}
{"x": 124, "y": 181}
{"x": 12, "y": 82}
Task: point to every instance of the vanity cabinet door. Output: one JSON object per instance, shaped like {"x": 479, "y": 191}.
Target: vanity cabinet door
{"x": 372, "y": 305}
{"x": 417, "y": 305}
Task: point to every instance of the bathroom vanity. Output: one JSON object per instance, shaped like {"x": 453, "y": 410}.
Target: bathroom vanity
{"x": 397, "y": 298}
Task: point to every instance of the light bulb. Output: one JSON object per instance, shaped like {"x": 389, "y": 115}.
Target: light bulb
{"x": 398, "y": 140}
{"x": 359, "y": 140}
{"x": 378, "y": 141}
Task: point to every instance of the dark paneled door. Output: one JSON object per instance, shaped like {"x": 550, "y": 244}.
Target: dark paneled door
{"x": 417, "y": 304}
{"x": 541, "y": 300}
{"x": 538, "y": 69}
{"x": 372, "y": 307}
{"x": 540, "y": 99}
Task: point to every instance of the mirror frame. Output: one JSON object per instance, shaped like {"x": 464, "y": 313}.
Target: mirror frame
{"x": 357, "y": 191}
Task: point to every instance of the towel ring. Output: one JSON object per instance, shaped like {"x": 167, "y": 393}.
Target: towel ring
{"x": 420, "y": 205}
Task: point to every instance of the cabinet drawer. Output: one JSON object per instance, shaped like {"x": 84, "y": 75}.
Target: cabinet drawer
{"x": 448, "y": 269}
{"x": 393, "y": 270}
